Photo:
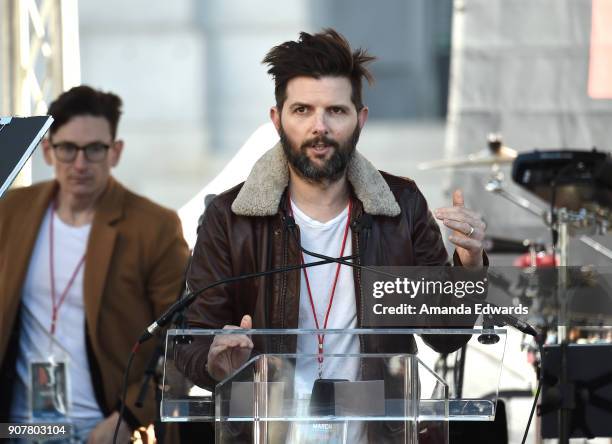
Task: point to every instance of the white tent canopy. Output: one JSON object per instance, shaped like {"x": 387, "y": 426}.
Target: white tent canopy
{"x": 236, "y": 171}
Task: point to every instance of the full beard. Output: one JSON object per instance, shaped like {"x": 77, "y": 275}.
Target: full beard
{"x": 332, "y": 169}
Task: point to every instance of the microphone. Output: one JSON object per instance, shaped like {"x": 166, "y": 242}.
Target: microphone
{"x": 504, "y": 319}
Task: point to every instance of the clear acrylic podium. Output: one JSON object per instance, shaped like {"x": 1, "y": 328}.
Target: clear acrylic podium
{"x": 368, "y": 395}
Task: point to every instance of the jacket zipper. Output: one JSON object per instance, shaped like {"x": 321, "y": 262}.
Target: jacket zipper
{"x": 359, "y": 300}
{"x": 284, "y": 281}
{"x": 358, "y": 291}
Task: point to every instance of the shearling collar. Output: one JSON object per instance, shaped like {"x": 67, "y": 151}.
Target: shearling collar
{"x": 261, "y": 193}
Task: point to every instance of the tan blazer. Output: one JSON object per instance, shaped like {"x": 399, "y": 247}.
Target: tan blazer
{"x": 134, "y": 269}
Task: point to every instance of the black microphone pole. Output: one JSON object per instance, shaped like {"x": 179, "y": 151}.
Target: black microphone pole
{"x": 149, "y": 373}
{"x": 183, "y": 303}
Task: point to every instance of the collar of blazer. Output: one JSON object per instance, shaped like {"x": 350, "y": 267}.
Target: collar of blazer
{"x": 110, "y": 206}
{"x": 102, "y": 237}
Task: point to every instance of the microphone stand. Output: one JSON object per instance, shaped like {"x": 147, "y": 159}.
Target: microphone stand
{"x": 567, "y": 401}
{"x": 152, "y": 373}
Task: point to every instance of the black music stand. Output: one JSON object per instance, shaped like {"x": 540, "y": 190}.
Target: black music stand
{"x": 587, "y": 394}
{"x": 19, "y": 136}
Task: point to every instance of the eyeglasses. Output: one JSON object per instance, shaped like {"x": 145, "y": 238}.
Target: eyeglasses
{"x": 67, "y": 151}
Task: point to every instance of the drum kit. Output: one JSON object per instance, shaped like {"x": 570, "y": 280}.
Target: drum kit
{"x": 575, "y": 187}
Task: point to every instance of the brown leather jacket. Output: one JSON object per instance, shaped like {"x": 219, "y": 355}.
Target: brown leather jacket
{"x": 244, "y": 230}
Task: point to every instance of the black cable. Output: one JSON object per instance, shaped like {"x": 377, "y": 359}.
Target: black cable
{"x": 183, "y": 303}
{"x": 533, "y": 406}
{"x": 291, "y": 225}
{"x": 124, "y": 390}
{"x": 347, "y": 263}
{"x": 539, "y": 342}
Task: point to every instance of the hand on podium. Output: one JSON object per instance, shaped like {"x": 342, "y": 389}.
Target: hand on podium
{"x": 228, "y": 352}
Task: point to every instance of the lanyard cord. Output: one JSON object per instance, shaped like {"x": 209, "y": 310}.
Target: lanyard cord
{"x": 321, "y": 337}
{"x": 55, "y": 306}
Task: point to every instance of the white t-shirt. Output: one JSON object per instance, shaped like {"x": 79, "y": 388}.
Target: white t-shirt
{"x": 70, "y": 244}
{"x": 326, "y": 238}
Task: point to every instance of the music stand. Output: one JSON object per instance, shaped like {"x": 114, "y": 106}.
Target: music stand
{"x": 588, "y": 393}
{"x": 19, "y": 136}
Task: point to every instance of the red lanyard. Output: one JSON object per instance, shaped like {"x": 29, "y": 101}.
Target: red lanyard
{"x": 56, "y": 305}
{"x": 321, "y": 338}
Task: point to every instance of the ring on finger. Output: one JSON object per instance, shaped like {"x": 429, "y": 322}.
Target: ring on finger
{"x": 470, "y": 232}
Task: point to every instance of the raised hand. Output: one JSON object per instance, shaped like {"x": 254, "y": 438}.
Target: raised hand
{"x": 468, "y": 230}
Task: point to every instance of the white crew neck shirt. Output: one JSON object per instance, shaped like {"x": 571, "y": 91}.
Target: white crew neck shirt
{"x": 69, "y": 244}
{"x": 326, "y": 238}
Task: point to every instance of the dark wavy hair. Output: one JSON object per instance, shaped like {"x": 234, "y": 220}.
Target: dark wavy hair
{"x": 85, "y": 101}
{"x": 326, "y": 53}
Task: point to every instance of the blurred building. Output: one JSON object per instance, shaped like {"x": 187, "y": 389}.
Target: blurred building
{"x": 194, "y": 88}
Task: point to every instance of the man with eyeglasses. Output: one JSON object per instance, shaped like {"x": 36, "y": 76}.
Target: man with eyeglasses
{"x": 85, "y": 266}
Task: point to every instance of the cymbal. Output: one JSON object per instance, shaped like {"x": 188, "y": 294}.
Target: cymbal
{"x": 504, "y": 155}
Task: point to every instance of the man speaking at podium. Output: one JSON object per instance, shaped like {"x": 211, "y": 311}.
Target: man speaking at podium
{"x": 85, "y": 265}
{"x": 335, "y": 201}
